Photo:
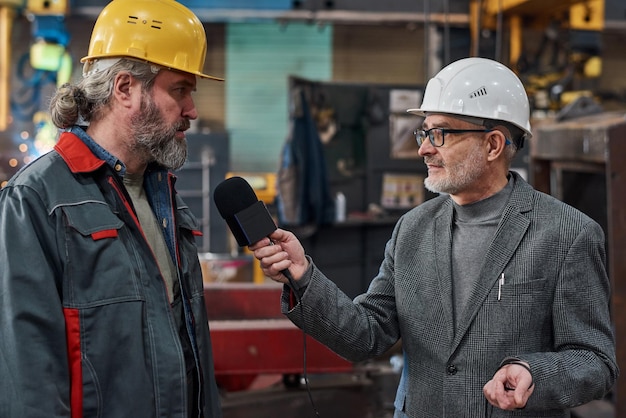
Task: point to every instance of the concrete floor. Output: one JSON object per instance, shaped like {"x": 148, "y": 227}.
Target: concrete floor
{"x": 362, "y": 394}
{"x": 367, "y": 393}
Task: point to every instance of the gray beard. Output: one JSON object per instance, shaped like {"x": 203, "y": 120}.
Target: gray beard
{"x": 155, "y": 141}
{"x": 459, "y": 177}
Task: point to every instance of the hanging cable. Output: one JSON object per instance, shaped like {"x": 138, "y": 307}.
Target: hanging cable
{"x": 305, "y": 377}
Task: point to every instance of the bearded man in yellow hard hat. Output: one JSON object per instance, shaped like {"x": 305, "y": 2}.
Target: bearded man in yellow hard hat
{"x": 101, "y": 292}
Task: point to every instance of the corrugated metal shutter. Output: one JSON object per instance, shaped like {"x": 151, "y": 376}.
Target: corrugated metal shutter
{"x": 259, "y": 59}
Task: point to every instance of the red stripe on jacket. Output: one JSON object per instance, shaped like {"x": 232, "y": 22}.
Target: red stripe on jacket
{"x": 72, "y": 329}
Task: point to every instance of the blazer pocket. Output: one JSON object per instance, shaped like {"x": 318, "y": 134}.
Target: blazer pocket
{"x": 532, "y": 290}
{"x": 527, "y": 304}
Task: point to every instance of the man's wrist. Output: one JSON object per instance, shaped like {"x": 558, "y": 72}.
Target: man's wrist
{"x": 519, "y": 362}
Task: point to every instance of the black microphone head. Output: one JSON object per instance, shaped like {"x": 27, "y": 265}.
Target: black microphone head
{"x": 232, "y": 196}
{"x": 246, "y": 216}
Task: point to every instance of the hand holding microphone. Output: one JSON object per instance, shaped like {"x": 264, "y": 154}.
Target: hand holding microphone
{"x": 281, "y": 255}
{"x": 282, "y": 251}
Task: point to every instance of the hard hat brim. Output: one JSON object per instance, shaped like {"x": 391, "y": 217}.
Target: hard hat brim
{"x": 196, "y": 73}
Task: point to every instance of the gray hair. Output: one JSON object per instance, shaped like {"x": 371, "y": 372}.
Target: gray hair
{"x": 89, "y": 98}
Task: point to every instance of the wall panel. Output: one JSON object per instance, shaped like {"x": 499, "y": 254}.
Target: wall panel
{"x": 378, "y": 54}
{"x": 259, "y": 59}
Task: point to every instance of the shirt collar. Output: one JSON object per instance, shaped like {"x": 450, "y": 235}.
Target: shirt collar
{"x": 116, "y": 164}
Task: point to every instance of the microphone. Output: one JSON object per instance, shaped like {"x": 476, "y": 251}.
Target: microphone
{"x": 246, "y": 216}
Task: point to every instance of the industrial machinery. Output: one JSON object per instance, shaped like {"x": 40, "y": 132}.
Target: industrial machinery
{"x": 251, "y": 338}
{"x": 47, "y": 61}
{"x": 7, "y": 14}
{"x": 566, "y": 60}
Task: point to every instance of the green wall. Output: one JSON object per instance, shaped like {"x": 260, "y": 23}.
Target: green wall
{"x": 259, "y": 59}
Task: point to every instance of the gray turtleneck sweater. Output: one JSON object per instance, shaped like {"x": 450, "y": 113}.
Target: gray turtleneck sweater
{"x": 473, "y": 229}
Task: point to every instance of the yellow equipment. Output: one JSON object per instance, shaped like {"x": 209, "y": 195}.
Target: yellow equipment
{"x": 556, "y": 84}
{"x": 47, "y": 7}
{"x": 7, "y": 14}
{"x": 263, "y": 184}
{"x": 48, "y": 52}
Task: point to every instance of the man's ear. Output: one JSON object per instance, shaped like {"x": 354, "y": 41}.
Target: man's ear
{"x": 496, "y": 140}
{"x": 122, "y": 88}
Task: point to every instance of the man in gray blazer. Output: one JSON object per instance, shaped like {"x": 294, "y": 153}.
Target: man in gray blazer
{"x": 498, "y": 292}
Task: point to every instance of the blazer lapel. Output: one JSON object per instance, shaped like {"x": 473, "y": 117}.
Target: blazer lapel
{"x": 443, "y": 248}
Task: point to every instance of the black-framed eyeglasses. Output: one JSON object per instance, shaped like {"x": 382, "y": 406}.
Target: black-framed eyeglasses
{"x": 437, "y": 135}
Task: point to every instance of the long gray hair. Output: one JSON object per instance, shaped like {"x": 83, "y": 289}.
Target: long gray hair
{"x": 89, "y": 98}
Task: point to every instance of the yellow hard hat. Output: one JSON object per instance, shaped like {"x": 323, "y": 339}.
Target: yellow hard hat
{"x": 162, "y": 32}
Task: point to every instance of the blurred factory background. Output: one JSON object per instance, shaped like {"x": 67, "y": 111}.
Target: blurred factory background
{"x": 354, "y": 67}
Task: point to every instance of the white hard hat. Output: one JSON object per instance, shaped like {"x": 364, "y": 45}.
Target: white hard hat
{"x": 478, "y": 88}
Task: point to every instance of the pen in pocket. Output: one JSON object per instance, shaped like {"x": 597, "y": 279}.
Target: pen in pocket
{"x": 500, "y": 284}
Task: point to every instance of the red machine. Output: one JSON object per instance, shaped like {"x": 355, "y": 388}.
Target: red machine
{"x": 252, "y": 338}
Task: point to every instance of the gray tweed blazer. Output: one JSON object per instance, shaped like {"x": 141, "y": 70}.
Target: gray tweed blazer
{"x": 553, "y": 310}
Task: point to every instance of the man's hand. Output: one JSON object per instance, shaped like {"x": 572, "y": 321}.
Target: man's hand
{"x": 281, "y": 251}
{"x": 510, "y": 387}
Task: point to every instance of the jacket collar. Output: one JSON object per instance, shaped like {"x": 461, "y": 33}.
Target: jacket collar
{"x": 76, "y": 154}
{"x": 87, "y": 158}
{"x": 83, "y": 155}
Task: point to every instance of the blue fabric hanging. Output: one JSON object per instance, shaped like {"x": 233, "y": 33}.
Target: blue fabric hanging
{"x": 302, "y": 182}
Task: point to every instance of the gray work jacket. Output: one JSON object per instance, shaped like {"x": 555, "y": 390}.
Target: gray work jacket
{"x": 87, "y": 327}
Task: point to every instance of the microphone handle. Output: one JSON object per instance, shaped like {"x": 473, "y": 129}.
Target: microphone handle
{"x": 287, "y": 274}
{"x": 292, "y": 281}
